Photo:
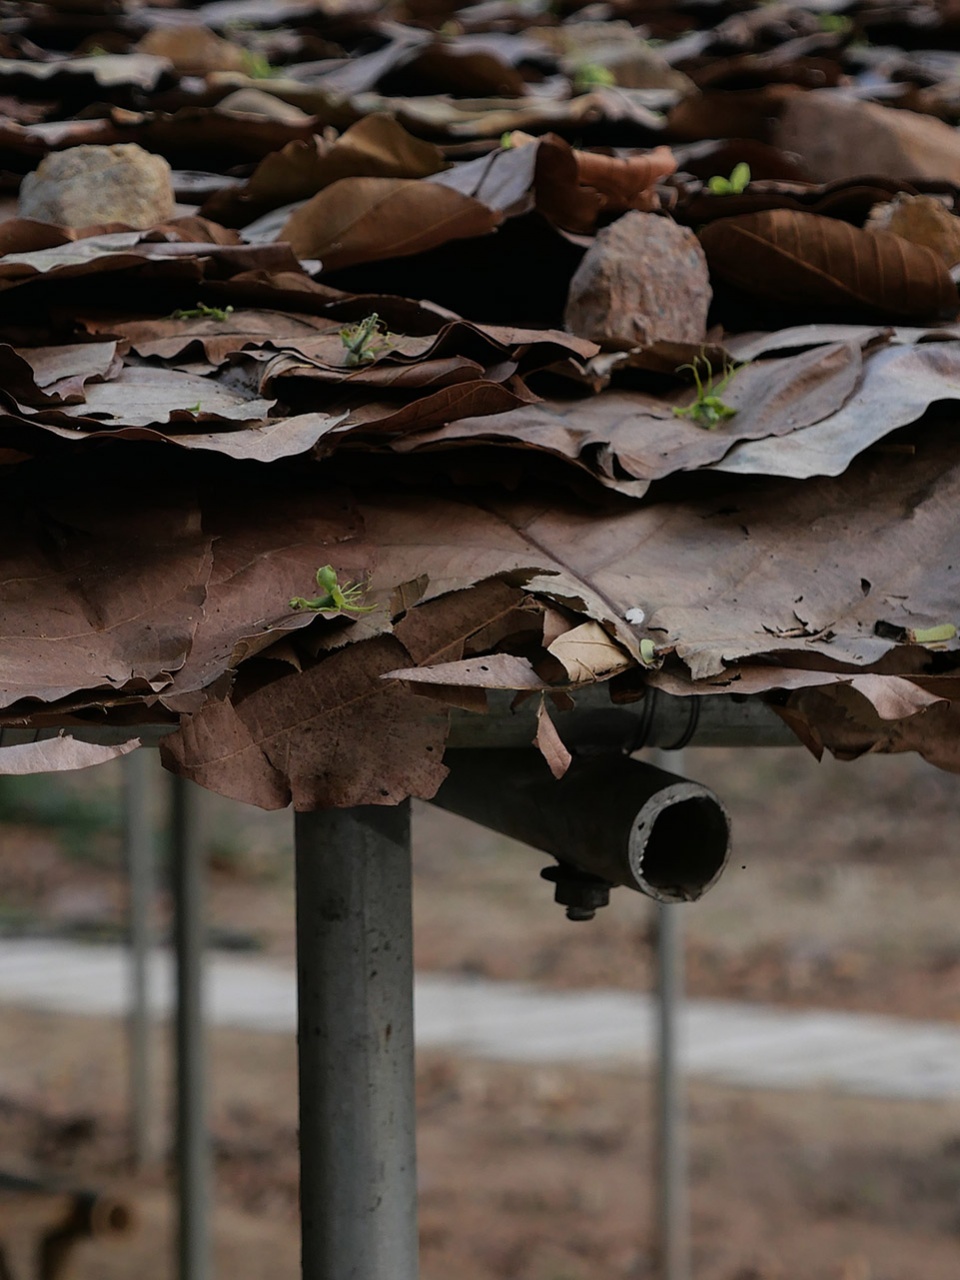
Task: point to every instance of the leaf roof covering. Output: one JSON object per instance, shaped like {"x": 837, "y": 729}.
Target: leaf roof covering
{"x": 347, "y": 350}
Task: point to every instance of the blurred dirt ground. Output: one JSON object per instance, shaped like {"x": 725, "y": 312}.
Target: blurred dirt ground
{"x": 842, "y": 891}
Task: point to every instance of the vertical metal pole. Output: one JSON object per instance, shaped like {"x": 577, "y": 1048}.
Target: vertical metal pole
{"x": 138, "y": 848}
{"x": 192, "y": 1144}
{"x": 673, "y": 1215}
{"x": 358, "y": 1181}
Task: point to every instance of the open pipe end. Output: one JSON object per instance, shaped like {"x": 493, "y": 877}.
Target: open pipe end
{"x": 679, "y": 843}
{"x": 106, "y": 1216}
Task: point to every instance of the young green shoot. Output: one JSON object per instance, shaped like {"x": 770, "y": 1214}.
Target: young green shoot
{"x": 735, "y": 185}
{"x": 364, "y": 341}
{"x": 202, "y": 312}
{"x": 835, "y": 23}
{"x": 591, "y": 75}
{"x": 708, "y": 410}
{"x": 333, "y": 597}
{"x": 257, "y": 66}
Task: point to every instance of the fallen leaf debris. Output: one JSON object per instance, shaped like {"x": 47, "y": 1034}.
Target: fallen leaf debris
{"x": 341, "y": 336}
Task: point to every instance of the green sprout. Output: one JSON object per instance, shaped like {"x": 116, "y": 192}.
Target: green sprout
{"x": 193, "y": 408}
{"x": 258, "y": 66}
{"x": 735, "y": 185}
{"x": 506, "y": 140}
{"x": 96, "y": 51}
{"x": 835, "y": 23}
{"x": 365, "y": 340}
{"x": 933, "y": 635}
{"x": 335, "y": 598}
{"x": 648, "y": 653}
{"x": 201, "y": 312}
{"x": 708, "y": 410}
{"x": 591, "y": 75}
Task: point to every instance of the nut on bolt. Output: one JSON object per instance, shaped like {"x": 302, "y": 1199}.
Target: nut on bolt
{"x": 580, "y": 892}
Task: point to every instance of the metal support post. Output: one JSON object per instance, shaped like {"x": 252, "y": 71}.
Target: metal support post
{"x": 138, "y": 849}
{"x": 670, "y": 1173}
{"x": 358, "y": 1190}
{"x": 193, "y": 1144}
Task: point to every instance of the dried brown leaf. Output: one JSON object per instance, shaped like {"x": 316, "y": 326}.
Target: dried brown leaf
{"x": 367, "y": 219}
{"x": 549, "y": 743}
{"x": 333, "y": 736}
{"x": 801, "y": 258}
{"x": 375, "y": 147}
{"x": 56, "y": 755}
{"x": 588, "y": 653}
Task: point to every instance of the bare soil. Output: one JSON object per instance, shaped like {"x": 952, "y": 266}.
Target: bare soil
{"x": 841, "y": 893}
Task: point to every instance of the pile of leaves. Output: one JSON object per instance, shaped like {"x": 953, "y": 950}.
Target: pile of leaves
{"x": 315, "y": 460}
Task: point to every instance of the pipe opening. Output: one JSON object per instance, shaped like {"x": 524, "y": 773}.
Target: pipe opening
{"x": 681, "y": 847}
{"x": 108, "y": 1216}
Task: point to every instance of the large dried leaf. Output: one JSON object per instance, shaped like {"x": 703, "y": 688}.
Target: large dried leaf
{"x": 214, "y": 338}
{"x": 463, "y": 118}
{"x": 267, "y": 441}
{"x": 141, "y": 397}
{"x": 375, "y": 147}
{"x": 117, "y": 251}
{"x": 588, "y": 653}
{"x": 335, "y": 735}
{"x": 628, "y": 439}
{"x": 839, "y": 136}
{"x": 366, "y": 219}
{"x": 569, "y": 187}
{"x": 63, "y": 75}
{"x": 847, "y": 723}
{"x": 101, "y": 594}
{"x": 549, "y": 743}
{"x": 803, "y": 259}
{"x": 899, "y": 385}
{"x": 57, "y": 755}
{"x": 497, "y": 671}
{"x": 258, "y": 566}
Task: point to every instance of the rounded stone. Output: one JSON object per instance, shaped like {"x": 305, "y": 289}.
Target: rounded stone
{"x": 88, "y": 185}
{"x": 644, "y": 279}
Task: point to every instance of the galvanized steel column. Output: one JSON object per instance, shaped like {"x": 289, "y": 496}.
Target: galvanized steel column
{"x": 670, "y": 1173}
{"x": 139, "y": 854}
{"x": 193, "y": 1157}
{"x": 358, "y": 1191}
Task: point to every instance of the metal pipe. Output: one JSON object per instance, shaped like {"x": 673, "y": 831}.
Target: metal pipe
{"x": 138, "y": 848}
{"x": 656, "y": 720}
{"x": 616, "y": 818}
{"x": 358, "y": 1192}
{"x": 672, "y": 1228}
{"x": 193, "y": 1158}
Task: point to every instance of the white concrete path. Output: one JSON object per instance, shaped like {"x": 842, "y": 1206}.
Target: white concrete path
{"x": 738, "y": 1043}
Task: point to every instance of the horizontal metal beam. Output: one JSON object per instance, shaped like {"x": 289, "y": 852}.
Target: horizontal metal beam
{"x": 657, "y": 720}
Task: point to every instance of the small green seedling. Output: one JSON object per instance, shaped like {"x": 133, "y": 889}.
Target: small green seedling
{"x": 193, "y": 408}
{"x": 258, "y": 66}
{"x": 591, "y": 75}
{"x": 334, "y": 598}
{"x": 648, "y": 653}
{"x": 364, "y": 341}
{"x": 835, "y": 23}
{"x": 97, "y": 51}
{"x": 933, "y": 635}
{"x": 735, "y": 185}
{"x": 506, "y": 140}
{"x": 708, "y": 410}
{"x": 202, "y": 312}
